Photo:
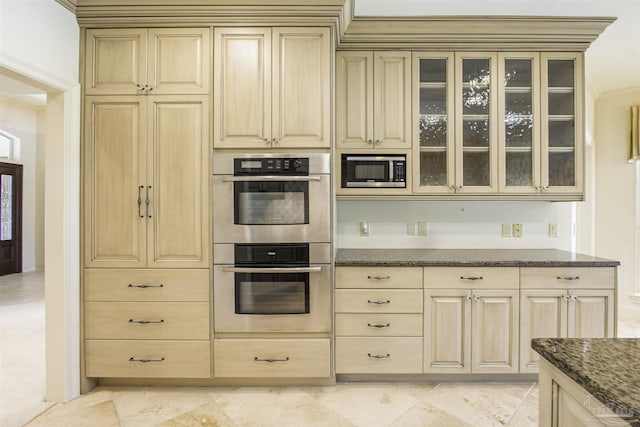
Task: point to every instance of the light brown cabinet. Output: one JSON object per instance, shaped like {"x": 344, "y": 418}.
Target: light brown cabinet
{"x": 146, "y": 191}
{"x": 373, "y": 100}
{"x": 567, "y": 302}
{"x": 142, "y": 61}
{"x": 272, "y": 87}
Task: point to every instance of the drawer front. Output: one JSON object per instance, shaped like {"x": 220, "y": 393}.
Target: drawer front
{"x": 145, "y": 359}
{"x": 272, "y": 358}
{"x": 378, "y": 301}
{"x": 147, "y": 320}
{"x": 567, "y": 277}
{"x": 471, "y": 277}
{"x": 378, "y": 277}
{"x": 361, "y": 355}
{"x": 379, "y": 325}
{"x": 146, "y": 285}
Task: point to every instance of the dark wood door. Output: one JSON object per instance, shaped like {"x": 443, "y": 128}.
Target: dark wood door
{"x": 10, "y": 218}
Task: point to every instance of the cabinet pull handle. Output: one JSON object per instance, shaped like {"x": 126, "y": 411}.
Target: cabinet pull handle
{"x": 266, "y": 140}
{"x": 378, "y": 142}
{"x": 275, "y": 140}
{"x": 379, "y": 302}
{"x": 459, "y": 187}
{"x": 144, "y": 286}
{"x": 270, "y": 359}
{"x": 133, "y": 359}
{"x": 545, "y": 187}
{"x": 369, "y": 141}
{"x": 147, "y": 201}
{"x": 378, "y": 277}
{"x": 139, "y": 86}
{"x": 140, "y": 187}
{"x": 568, "y": 277}
{"x": 378, "y": 325}
{"x": 476, "y": 297}
{"x": 146, "y": 322}
{"x": 379, "y": 356}
{"x": 149, "y": 88}
{"x": 472, "y": 278}
{"x": 468, "y": 297}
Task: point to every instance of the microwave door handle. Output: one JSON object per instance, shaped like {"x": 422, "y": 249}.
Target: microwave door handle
{"x": 313, "y": 269}
{"x": 392, "y": 172}
{"x": 270, "y": 178}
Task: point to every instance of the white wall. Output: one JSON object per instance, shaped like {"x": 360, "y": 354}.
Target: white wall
{"x": 454, "y": 224}
{"x": 40, "y": 167}
{"x": 616, "y": 192}
{"x": 21, "y": 120}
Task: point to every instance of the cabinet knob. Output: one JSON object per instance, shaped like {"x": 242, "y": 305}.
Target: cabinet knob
{"x": 139, "y": 86}
{"x": 266, "y": 140}
{"x": 369, "y": 141}
{"x": 476, "y": 297}
{"x": 274, "y": 140}
{"x": 378, "y": 142}
{"x": 459, "y": 187}
{"x": 452, "y": 187}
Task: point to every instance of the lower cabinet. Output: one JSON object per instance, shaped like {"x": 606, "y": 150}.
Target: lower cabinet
{"x": 272, "y": 358}
{"x": 378, "y": 320}
{"x": 567, "y": 302}
{"x": 142, "y": 323}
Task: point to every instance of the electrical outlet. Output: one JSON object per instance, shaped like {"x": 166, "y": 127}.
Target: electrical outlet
{"x": 517, "y": 230}
{"x": 364, "y": 228}
{"x": 423, "y": 228}
{"x": 506, "y": 230}
{"x": 553, "y": 230}
{"x": 411, "y": 229}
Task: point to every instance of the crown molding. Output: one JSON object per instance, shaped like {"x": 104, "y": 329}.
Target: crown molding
{"x": 473, "y": 33}
{"x": 68, "y": 4}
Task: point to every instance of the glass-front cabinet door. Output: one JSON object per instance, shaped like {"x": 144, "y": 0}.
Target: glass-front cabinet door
{"x": 518, "y": 122}
{"x": 476, "y": 136}
{"x": 561, "y": 118}
{"x": 433, "y": 106}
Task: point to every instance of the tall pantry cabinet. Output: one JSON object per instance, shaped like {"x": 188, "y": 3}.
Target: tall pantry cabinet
{"x": 146, "y": 201}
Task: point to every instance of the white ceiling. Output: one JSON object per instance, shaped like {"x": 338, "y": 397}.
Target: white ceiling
{"x": 612, "y": 61}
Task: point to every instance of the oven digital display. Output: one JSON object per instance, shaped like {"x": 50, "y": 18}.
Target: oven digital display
{"x": 251, "y": 164}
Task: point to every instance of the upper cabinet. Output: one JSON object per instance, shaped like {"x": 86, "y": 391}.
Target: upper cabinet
{"x": 143, "y": 61}
{"x": 507, "y": 123}
{"x": 373, "y": 100}
{"x": 272, "y": 87}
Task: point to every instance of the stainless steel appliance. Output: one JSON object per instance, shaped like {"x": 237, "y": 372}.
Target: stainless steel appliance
{"x": 265, "y": 198}
{"x": 272, "y": 287}
{"x": 370, "y": 170}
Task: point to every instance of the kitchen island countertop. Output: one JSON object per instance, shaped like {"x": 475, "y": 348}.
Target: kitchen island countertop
{"x": 468, "y": 258}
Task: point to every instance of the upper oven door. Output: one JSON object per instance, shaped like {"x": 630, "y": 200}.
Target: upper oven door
{"x": 271, "y": 209}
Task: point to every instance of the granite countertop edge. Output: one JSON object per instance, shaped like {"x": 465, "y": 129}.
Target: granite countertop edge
{"x": 564, "y": 354}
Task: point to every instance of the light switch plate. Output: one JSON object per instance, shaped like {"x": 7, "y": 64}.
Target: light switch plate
{"x": 364, "y": 228}
{"x": 506, "y": 230}
{"x": 411, "y": 229}
{"x": 423, "y": 228}
{"x": 553, "y": 230}
{"x": 517, "y": 230}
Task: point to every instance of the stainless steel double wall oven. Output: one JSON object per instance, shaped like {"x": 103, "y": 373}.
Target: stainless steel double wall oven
{"x": 272, "y": 234}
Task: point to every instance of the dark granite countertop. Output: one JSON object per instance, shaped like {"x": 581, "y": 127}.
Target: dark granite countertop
{"x": 469, "y": 258}
{"x": 608, "y": 368}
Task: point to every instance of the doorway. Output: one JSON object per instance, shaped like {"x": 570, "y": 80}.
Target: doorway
{"x": 10, "y": 218}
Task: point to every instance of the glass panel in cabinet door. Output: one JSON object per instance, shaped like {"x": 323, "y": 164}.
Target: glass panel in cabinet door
{"x": 433, "y": 70}
{"x": 518, "y": 102}
{"x": 476, "y": 168}
{"x": 562, "y": 169}
{"x": 518, "y": 73}
{"x": 433, "y": 131}
{"x": 561, "y": 133}
{"x": 518, "y": 168}
{"x": 433, "y": 100}
{"x": 433, "y": 168}
{"x": 561, "y": 103}
{"x": 518, "y": 132}
{"x": 475, "y": 86}
{"x": 561, "y": 73}
{"x": 475, "y": 132}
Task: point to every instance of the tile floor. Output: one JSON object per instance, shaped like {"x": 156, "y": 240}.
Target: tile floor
{"x": 346, "y": 404}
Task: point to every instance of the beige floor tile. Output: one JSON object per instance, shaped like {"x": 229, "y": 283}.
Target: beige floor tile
{"x": 425, "y": 415}
{"x": 102, "y": 414}
{"x": 209, "y": 415}
{"x": 419, "y": 391}
{"x": 369, "y": 404}
{"x": 482, "y": 404}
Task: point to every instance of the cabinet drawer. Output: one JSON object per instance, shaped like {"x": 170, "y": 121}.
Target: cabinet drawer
{"x": 471, "y": 277}
{"x": 143, "y": 359}
{"x": 567, "y": 277}
{"x": 147, "y": 320}
{"x": 260, "y": 358}
{"x": 146, "y": 285}
{"x": 378, "y": 301}
{"x": 382, "y": 277}
{"x": 379, "y": 325}
{"x": 361, "y": 355}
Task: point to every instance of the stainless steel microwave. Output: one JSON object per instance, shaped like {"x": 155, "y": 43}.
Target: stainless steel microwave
{"x": 371, "y": 171}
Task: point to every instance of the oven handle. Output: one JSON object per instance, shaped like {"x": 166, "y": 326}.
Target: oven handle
{"x": 314, "y": 269}
{"x": 270, "y": 178}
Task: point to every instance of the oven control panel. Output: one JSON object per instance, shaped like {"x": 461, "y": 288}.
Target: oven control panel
{"x": 271, "y": 166}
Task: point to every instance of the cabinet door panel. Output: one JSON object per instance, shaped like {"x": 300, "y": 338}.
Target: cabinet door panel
{"x": 301, "y": 87}
{"x": 495, "y": 331}
{"x": 543, "y": 314}
{"x": 354, "y": 99}
{"x": 447, "y": 331}
{"x": 242, "y": 92}
{"x": 178, "y": 219}
{"x": 392, "y": 95}
{"x": 116, "y": 61}
{"x": 114, "y": 170}
{"x": 178, "y": 61}
{"x": 591, "y": 314}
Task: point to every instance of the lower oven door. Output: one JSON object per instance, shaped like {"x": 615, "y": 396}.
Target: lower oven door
{"x": 254, "y": 299}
